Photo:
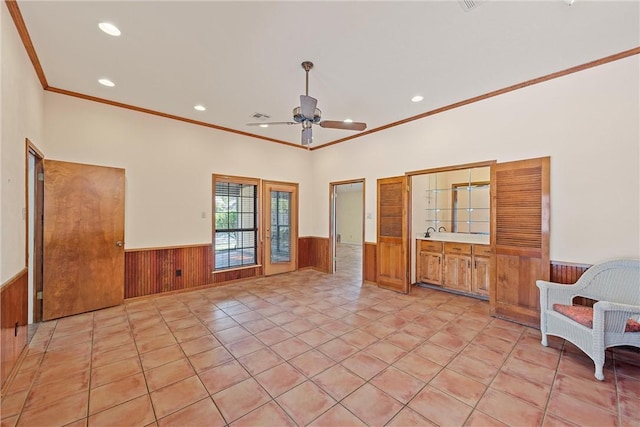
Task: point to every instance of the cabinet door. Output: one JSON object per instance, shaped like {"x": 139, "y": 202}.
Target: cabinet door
{"x": 457, "y": 272}
{"x": 430, "y": 268}
{"x": 480, "y": 279}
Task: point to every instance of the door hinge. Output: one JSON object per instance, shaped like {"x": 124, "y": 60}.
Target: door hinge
{"x": 41, "y": 176}
{"x": 39, "y": 295}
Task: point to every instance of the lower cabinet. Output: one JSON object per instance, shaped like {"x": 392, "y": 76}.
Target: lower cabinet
{"x": 431, "y": 268}
{"x": 481, "y": 270}
{"x": 429, "y": 263}
{"x": 459, "y": 266}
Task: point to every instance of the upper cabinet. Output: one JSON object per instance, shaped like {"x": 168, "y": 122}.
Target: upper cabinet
{"x": 455, "y": 201}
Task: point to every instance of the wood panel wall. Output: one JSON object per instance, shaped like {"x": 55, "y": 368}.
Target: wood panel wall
{"x": 154, "y": 271}
{"x": 370, "y": 260}
{"x": 313, "y": 252}
{"x": 13, "y": 309}
{"x": 227, "y": 276}
{"x": 567, "y": 273}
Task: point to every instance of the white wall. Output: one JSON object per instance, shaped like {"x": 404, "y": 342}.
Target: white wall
{"x": 21, "y": 111}
{"x": 349, "y": 216}
{"x": 168, "y": 166}
{"x": 587, "y": 122}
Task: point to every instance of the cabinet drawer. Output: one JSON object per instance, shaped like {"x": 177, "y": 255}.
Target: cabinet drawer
{"x": 430, "y": 246}
{"x": 457, "y": 248}
{"x": 482, "y": 250}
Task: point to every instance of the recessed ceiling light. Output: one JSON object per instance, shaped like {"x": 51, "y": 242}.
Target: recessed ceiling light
{"x": 109, "y": 28}
{"x": 417, "y": 98}
{"x": 348, "y": 121}
{"x": 264, "y": 125}
{"x": 106, "y": 82}
{"x": 199, "y": 107}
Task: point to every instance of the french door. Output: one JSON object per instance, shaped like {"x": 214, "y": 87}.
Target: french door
{"x": 280, "y": 210}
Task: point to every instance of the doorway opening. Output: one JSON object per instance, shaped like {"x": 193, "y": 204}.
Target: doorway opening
{"x": 347, "y": 229}
{"x": 34, "y": 215}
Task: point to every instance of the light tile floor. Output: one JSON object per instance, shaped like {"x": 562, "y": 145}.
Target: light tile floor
{"x": 308, "y": 348}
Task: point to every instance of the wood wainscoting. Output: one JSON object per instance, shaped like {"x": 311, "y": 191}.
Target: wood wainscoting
{"x": 224, "y": 277}
{"x": 370, "y": 267}
{"x": 566, "y": 273}
{"x": 313, "y": 252}
{"x": 13, "y": 306}
{"x": 158, "y": 270}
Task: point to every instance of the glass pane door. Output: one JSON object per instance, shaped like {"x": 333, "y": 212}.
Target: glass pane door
{"x": 280, "y": 210}
{"x": 280, "y": 226}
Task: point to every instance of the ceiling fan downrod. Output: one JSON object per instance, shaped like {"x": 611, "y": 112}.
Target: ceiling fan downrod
{"x": 307, "y": 65}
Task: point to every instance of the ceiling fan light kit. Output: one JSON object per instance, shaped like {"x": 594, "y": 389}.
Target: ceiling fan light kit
{"x": 308, "y": 114}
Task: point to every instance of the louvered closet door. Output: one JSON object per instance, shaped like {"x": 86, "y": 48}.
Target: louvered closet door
{"x": 520, "y": 236}
{"x": 392, "y": 251}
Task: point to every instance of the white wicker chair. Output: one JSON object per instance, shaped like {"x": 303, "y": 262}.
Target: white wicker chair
{"x": 616, "y": 286}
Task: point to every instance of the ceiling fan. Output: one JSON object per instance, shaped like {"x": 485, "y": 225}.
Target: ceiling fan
{"x": 307, "y": 114}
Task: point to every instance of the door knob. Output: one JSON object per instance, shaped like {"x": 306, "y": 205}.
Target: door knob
{"x": 120, "y": 243}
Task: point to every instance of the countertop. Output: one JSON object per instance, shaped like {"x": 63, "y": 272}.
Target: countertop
{"x": 481, "y": 239}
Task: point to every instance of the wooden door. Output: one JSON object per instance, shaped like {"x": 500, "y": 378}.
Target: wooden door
{"x": 280, "y": 210}
{"x": 520, "y": 237}
{"x": 83, "y": 238}
{"x": 392, "y": 234}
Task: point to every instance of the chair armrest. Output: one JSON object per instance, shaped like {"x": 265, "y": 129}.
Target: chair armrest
{"x": 555, "y": 293}
{"x": 612, "y": 316}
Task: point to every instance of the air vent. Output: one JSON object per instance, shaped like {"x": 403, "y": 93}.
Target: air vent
{"x": 468, "y": 5}
{"x": 260, "y": 116}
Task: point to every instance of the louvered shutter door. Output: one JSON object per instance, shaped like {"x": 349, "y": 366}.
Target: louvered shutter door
{"x": 520, "y": 235}
{"x": 392, "y": 234}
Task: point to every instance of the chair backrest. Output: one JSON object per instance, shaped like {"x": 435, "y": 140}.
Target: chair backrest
{"x": 614, "y": 281}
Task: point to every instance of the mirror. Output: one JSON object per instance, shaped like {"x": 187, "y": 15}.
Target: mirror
{"x": 456, "y": 201}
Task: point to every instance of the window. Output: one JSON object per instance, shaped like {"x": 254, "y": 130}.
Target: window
{"x": 235, "y": 222}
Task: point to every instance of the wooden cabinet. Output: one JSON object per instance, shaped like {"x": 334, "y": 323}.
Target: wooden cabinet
{"x": 457, "y": 266}
{"x": 462, "y": 267}
{"x": 481, "y": 269}
{"x": 429, "y": 262}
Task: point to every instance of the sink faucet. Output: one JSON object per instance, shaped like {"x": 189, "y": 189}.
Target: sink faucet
{"x": 427, "y": 234}
{"x": 441, "y": 228}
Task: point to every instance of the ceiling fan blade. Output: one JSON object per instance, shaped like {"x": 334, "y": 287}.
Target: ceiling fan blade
{"x": 307, "y": 136}
{"x": 334, "y": 124}
{"x": 308, "y": 106}
{"x": 271, "y": 123}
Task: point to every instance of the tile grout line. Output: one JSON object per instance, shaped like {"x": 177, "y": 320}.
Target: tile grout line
{"x": 553, "y": 383}
{"x": 37, "y": 374}
{"x": 135, "y": 342}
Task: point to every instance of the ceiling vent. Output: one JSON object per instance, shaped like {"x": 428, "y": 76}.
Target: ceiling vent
{"x": 260, "y": 116}
{"x": 468, "y": 5}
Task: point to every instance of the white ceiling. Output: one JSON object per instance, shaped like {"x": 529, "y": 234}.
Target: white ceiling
{"x": 238, "y": 58}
